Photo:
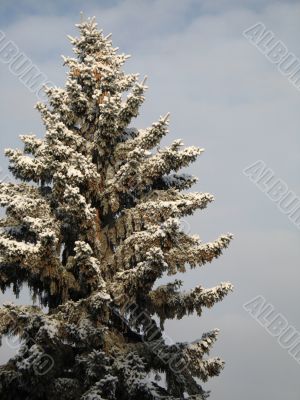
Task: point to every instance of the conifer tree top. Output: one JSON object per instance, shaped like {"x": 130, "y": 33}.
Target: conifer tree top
{"x": 91, "y": 228}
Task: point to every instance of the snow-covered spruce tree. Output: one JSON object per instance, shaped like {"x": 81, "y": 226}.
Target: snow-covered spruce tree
{"x": 92, "y": 226}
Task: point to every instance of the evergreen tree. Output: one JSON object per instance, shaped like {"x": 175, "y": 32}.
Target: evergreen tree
{"x": 90, "y": 228}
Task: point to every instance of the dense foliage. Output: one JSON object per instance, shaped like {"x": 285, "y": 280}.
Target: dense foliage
{"x": 90, "y": 228}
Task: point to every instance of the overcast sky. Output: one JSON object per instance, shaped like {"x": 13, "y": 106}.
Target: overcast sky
{"x": 226, "y": 96}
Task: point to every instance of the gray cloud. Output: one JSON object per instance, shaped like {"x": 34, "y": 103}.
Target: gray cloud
{"x": 224, "y": 95}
